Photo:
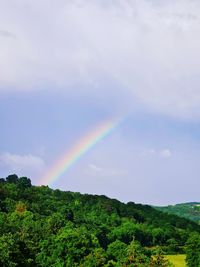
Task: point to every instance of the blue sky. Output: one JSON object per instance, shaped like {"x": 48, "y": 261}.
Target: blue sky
{"x": 65, "y": 69}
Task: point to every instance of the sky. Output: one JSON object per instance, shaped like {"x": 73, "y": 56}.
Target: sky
{"x": 66, "y": 66}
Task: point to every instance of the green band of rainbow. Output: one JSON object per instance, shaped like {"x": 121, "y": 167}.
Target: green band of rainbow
{"x": 77, "y": 151}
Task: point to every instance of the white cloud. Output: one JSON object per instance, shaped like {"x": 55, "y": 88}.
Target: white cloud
{"x": 105, "y": 172}
{"x": 165, "y": 153}
{"x": 22, "y": 164}
{"x": 150, "y": 48}
{"x": 95, "y": 168}
{"x": 160, "y": 153}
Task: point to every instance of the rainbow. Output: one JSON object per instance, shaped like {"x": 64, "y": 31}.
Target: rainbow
{"x": 72, "y": 155}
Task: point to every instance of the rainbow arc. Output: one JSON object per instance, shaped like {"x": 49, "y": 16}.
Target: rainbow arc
{"x": 71, "y": 156}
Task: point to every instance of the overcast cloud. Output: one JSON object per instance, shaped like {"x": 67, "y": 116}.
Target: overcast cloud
{"x": 150, "y": 48}
{"x": 22, "y": 164}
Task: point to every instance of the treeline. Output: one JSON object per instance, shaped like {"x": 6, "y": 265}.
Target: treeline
{"x": 44, "y": 227}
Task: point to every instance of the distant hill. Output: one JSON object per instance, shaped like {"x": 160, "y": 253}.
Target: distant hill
{"x": 189, "y": 210}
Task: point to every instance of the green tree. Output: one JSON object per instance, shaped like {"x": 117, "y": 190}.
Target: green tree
{"x": 96, "y": 258}
{"x": 13, "y": 178}
{"x": 158, "y": 260}
{"x": 24, "y": 182}
{"x": 116, "y": 250}
{"x": 8, "y": 251}
{"x": 136, "y": 256}
{"x": 67, "y": 248}
{"x": 193, "y": 251}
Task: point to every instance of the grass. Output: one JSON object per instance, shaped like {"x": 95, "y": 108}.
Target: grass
{"x": 177, "y": 260}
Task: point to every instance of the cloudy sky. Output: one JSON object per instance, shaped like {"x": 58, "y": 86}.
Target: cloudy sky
{"x": 68, "y": 65}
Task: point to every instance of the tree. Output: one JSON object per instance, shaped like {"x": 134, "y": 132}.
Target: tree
{"x": 8, "y": 251}
{"x": 13, "y": 178}
{"x": 97, "y": 258}
{"x": 24, "y": 182}
{"x": 158, "y": 260}
{"x": 135, "y": 255}
{"x": 2, "y": 180}
{"x": 193, "y": 250}
{"x": 68, "y": 248}
{"x": 116, "y": 250}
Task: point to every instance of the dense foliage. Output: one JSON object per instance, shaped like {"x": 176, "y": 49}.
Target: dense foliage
{"x": 44, "y": 227}
{"x": 193, "y": 250}
{"x": 189, "y": 211}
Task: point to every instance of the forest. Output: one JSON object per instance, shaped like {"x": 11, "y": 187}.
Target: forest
{"x": 40, "y": 226}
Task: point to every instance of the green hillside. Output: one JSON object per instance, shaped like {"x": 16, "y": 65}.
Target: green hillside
{"x": 189, "y": 211}
{"x": 44, "y": 227}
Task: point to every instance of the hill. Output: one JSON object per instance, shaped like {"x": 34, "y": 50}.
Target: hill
{"x": 40, "y": 226}
{"x": 189, "y": 211}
